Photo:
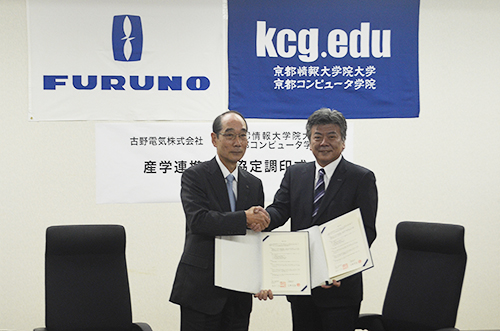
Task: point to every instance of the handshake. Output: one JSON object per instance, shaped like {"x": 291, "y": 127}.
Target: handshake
{"x": 257, "y": 218}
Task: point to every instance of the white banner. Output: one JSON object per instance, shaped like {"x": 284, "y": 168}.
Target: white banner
{"x": 143, "y": 162}
{"x": 126, "y": 60}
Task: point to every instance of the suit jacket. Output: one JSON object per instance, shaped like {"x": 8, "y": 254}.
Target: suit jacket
{"x": 206, "y": 206}
{"x": 350, "y": 187}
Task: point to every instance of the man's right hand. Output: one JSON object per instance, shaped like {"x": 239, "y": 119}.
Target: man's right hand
{"x": 264, "y": 295}
{"x": 257, "y": 218}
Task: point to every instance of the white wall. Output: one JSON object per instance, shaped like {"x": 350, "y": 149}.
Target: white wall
{"x": 441, "y": 167}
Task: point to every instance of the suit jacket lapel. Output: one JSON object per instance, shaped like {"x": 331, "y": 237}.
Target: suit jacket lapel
{"x": 243, "y": 190}
{"x": 218, "y": 184}
{"x": 306, "y": 189}
{"x": 333, "y": 187}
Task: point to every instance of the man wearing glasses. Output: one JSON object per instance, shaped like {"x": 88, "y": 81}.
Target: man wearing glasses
{"x": 218, "y": 198}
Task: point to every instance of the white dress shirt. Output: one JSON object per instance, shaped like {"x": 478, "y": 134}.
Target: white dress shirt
{"x": 225, "y": 173}
{"x": 329, "y": 170}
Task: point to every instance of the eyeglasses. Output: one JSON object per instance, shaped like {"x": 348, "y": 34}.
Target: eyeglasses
{"x": 232, "y": 136}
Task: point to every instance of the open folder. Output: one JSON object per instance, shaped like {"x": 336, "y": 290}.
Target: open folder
{"x": 292, "y": 263}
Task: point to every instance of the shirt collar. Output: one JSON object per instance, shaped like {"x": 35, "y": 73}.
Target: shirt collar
{"x": 330, "y": 168}
{"x": 225, "y": 171}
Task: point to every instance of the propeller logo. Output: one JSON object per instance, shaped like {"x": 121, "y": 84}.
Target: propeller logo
{"x": 127, "y": 38}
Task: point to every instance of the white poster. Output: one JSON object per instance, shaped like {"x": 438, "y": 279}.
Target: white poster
{"x": 126, "y": 60}
{"x": 143, "y": 162}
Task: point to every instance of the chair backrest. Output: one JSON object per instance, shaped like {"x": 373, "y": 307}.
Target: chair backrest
{"x": 86, "y": 280}
{"x": 426, "y": 281}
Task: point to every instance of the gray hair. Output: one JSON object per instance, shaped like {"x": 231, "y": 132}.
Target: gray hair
{"x": 217, "y": 124}
{"x": 327, "y": 116}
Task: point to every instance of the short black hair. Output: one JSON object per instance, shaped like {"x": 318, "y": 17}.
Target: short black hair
{"x": 217, "y": 124}
{"x": 327, "y": 116}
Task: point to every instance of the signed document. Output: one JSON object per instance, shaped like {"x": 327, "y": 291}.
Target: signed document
{"x": 278, "y": 261}
{"x": 292, "y": 263}
{"x": 285, "y": 263}
{"x": 339, "y": 249}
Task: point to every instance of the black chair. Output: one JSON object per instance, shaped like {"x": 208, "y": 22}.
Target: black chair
{"x": 86, "y": 280}
{"x": 426, "y": 281}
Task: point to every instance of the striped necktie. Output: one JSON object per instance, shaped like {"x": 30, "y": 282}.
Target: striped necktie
{"x": 319, "y": 191}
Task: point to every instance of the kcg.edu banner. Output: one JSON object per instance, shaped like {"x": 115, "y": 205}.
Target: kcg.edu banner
{"x": 287, "y": 57}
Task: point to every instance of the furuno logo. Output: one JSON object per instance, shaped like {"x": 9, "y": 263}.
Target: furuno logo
{"x": 127, "y": 46}
{"x": 127, "y": 38}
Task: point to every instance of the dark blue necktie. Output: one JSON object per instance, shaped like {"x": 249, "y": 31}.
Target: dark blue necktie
{"x": 230, "y": 192}
{"x": 319, "y": 191}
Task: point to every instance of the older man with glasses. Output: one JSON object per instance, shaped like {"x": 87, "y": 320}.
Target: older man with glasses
{"x": 219, "y": 199}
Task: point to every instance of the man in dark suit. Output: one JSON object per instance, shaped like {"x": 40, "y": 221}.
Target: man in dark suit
{"x": 216, "y": 205}
{"x": 342, "y": 187}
